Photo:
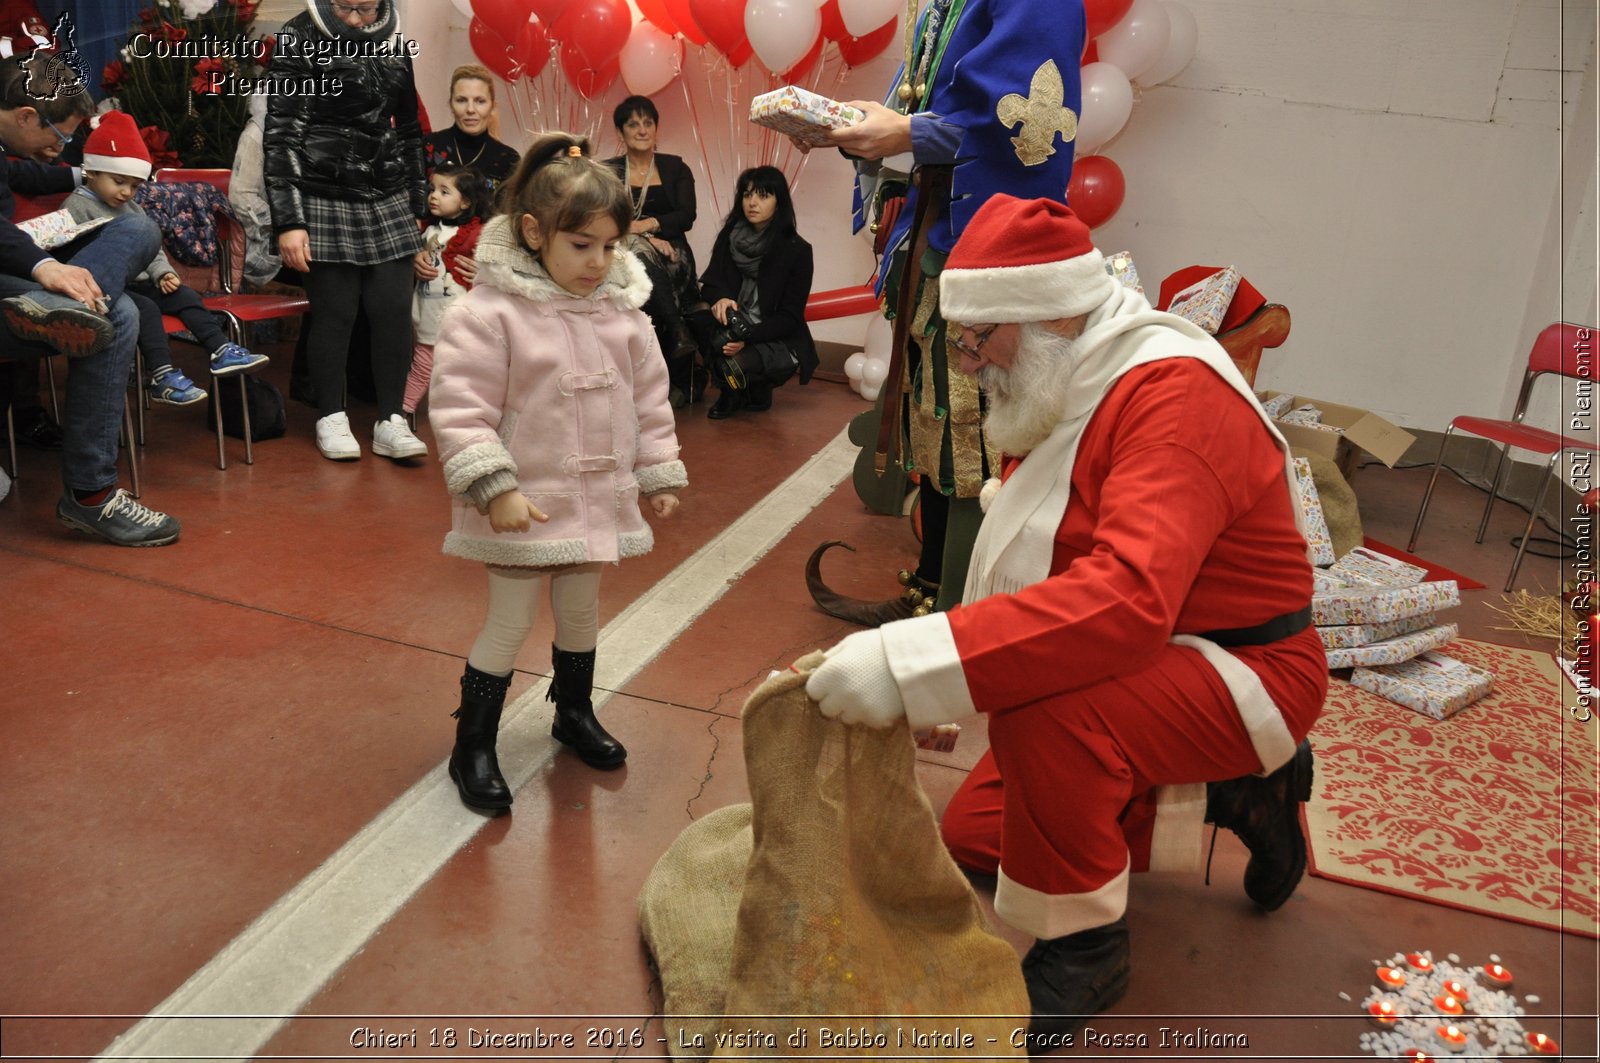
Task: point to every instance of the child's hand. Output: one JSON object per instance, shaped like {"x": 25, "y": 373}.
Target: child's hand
{"x": 168, "y": 283}
{"x": 467, "y": 270}
{"x": 513, "y": 512}
{"x": 663, "y": 503}
{"x": 423, "y": 266}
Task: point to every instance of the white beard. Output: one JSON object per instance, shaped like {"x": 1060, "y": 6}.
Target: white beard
{"x": 1025, "y": 401}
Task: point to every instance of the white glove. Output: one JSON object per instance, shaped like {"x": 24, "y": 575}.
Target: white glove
{"x": 854, "y": 684}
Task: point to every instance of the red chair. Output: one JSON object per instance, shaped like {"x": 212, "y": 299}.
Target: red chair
{"x": 1563, "y": 349}
{"x": 236, "y": 309}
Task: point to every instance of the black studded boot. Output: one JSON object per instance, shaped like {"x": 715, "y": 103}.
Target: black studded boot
{"x": 1073, "y": 977}
{"x": 473, "y": 766}
{"x": 1265, "y": 814}
{"x": 575, "y": 724}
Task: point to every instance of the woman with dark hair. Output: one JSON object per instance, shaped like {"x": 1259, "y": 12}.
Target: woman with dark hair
{"x": 344, "y": 179}
{"x": 661, "y": 190}
{"x": 754, "y": 336}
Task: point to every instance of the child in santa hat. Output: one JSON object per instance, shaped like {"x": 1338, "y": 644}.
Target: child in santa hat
{"x": 115, "y": 163}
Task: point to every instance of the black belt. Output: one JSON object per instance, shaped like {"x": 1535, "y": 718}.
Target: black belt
{"x": 1279, "y": 627}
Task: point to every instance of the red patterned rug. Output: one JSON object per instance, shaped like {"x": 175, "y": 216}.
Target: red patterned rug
{"x": 1492, "y": 810}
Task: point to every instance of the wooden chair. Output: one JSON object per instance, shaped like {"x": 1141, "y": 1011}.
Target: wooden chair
{"x": 235, "y": 308}
{"x": 1250, "y": 326}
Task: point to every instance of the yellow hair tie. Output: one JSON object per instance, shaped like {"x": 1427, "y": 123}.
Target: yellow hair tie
{"x": 575, "y": 151}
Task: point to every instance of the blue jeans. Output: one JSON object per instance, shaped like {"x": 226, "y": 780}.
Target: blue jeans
{"x": 96, "y": 384}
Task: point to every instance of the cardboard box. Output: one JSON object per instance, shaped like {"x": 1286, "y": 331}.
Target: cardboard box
{"x": 1357, "y": 430}
{"x": 1395, "y": 650}
{"x": 1432, "y": 684}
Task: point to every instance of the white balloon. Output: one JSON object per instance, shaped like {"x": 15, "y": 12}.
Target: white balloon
{"x": 854, "y": 364}
{"x": 649, "y": 60}
{"x": 880, "y": 335}
{"x": 781, "y": 31}
{"x": 1107, "y": 102}
{"x": 1181, "y": 43}
{"x": 874, "y": 374}
{"x": 465, "y": 7}
{"x": 1138, "y": 42}
{"x": 870, "y": 392}
{"x": 861, "y": 17}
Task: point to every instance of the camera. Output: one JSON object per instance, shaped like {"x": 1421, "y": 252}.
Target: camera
{"x": 738, "y": 327}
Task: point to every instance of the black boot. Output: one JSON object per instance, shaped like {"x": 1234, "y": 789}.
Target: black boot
{"x": 1071, "y": 978}
{"x": 760, "y": 397}
{"x": 1265, "y": 814}
{"x": 575, "y": 724}
{"x": 473, "y": 766}
{"x": 728, "y": 402}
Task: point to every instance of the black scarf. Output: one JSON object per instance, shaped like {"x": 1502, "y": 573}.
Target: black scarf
{"x": 748, "y": 246}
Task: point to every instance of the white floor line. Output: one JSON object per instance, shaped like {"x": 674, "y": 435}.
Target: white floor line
{"x": 233, "y": 1005}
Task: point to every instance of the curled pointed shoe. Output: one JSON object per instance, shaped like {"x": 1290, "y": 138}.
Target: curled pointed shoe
{"x": 1265, "y": 814}
{"x": 582, "y": 733}
{"x": 1072, "y": 978}
{"x": 918, "y": 595}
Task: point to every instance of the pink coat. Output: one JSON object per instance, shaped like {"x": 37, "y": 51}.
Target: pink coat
{"x": 561, "y": 396}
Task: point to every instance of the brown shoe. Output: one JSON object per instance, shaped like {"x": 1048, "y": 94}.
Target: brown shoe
{"x": 917, "y": 599}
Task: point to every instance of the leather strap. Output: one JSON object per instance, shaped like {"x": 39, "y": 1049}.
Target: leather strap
{"x": 933, "y": 185}
{"x": 1279, "y": 627}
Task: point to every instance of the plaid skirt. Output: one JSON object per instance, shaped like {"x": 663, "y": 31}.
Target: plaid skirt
{"x": 361, "y": 232}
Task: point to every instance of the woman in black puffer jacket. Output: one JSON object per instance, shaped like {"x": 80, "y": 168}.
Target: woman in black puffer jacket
{"x": 344, "y": 177}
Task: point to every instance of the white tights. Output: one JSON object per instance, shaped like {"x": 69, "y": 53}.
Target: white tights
{"x": 514, "y": 606}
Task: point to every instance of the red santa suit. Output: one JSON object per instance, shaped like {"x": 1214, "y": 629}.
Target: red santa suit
{"x": 1156, "y": 525}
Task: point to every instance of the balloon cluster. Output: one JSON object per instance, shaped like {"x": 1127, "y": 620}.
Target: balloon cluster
{"x": 596, "y": 41}
{"x": 868, "y": 368}
{"x": 1131, "y": 42}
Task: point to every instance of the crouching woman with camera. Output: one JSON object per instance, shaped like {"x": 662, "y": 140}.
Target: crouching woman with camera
{"x": 754, "y": 336}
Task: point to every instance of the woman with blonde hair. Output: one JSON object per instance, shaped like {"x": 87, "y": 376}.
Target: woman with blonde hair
{"x": 470, "y": 140}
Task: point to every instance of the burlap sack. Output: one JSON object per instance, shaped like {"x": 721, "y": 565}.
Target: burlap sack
{"x": 825, "y": 919}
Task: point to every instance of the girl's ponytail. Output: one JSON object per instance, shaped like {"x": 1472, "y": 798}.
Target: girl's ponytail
{"x": 562, "y": 186}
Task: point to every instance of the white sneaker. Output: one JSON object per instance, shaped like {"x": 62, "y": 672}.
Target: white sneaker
{"x": 335, "y": 439}
{"x": 394, "y": 439}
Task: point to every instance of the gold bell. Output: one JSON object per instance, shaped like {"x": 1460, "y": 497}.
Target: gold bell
{"x": 904, "y": 91}
{"x": 904, "y": 578}
{"x": 913, "y": 596}
{"x": 924, "y": 608}
{"x": 922, "y": 89}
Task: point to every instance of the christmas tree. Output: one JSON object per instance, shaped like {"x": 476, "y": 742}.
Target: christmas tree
{"x": 180, "y": 74}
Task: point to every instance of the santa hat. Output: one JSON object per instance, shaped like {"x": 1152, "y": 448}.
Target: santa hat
{"x": 1022, "y": 260}
{"x": 115, "y": 146}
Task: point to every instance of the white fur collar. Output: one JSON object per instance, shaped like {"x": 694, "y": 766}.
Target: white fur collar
{"x": 504, "y": 264}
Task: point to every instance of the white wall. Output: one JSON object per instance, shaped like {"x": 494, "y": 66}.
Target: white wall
{"x": 1390, "y": 170}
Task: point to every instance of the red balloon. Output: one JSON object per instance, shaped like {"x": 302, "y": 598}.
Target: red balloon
{"x": 1096, "y": 189}
{"x": 549, "y": 11}
{"x": 1091, "y": 54}
{"x": 722, "y": 21}
{"x": 679, "y": 10}
{"x": 591, "y": 82}
{"x": 807, "y": 61}
{"x": 492, "y": 51}
{"x": 857, "y": 50}
{"x": 504, "y": 17}
{"x": 833, "y": 21}
{"x": 597, "y": 28}
{"x": 1101, "y": 15}
{"x": 656, "y": 13}
{"x": 533, "y": 49}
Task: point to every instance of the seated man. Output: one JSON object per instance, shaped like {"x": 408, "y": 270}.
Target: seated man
{"x": 72, "y": 303}
{"x": 1137, "y": 618}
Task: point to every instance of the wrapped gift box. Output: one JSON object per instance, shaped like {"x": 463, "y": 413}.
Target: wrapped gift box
{"x": 1314, "y": 524}
{"x": 1395, "y": 650}
{"x": 1371, "y": 605}
{"x": 801, "y": 114}
{"x": 1345, "y": 636}
{"x": 1120, "y": 266}
{"x": 1323, "y": 582}
{"x": 1275, "y": 405}
{"x": 1206, "y": 302}
{"x": 1431, "y": 683}
{"x": 1362, "y": 565}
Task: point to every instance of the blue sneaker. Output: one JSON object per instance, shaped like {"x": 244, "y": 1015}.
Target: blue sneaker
{"x": 231, "y": 359}
{"x": 120, "y": 520}
{"x": 170, "y": 387}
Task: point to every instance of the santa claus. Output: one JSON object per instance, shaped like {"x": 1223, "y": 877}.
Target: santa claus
{"x": 1137, "y": 619}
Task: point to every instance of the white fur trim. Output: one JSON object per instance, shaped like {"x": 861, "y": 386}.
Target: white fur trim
{"x": 471, "y": 464}
{"x": 927, "y": 668}
{"x": 536, "y": 554}
{"x": 1269, "y": 735}
{"x": 503, "y": 263}
{"x": 986, "y": 493}
{"x": 1175, "y": 838}
{"x": 1045, "y": 291}
{"x": 1053, "y": 915}
{"x": 667, "y": 476}
{"x": 125, "y": 165}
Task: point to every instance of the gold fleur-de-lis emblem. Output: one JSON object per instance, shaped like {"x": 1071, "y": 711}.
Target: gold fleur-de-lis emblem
{"x": 1041, "y": 116}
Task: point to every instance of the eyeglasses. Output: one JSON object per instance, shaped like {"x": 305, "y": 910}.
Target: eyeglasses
{"x": 953, "y": 333}
{"x": 65, "y": 140}
{"x": 364, "y": 10}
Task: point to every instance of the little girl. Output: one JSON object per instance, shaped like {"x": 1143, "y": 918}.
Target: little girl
{"x": 458, "y": 198}
{"x": 549, "y": 404}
